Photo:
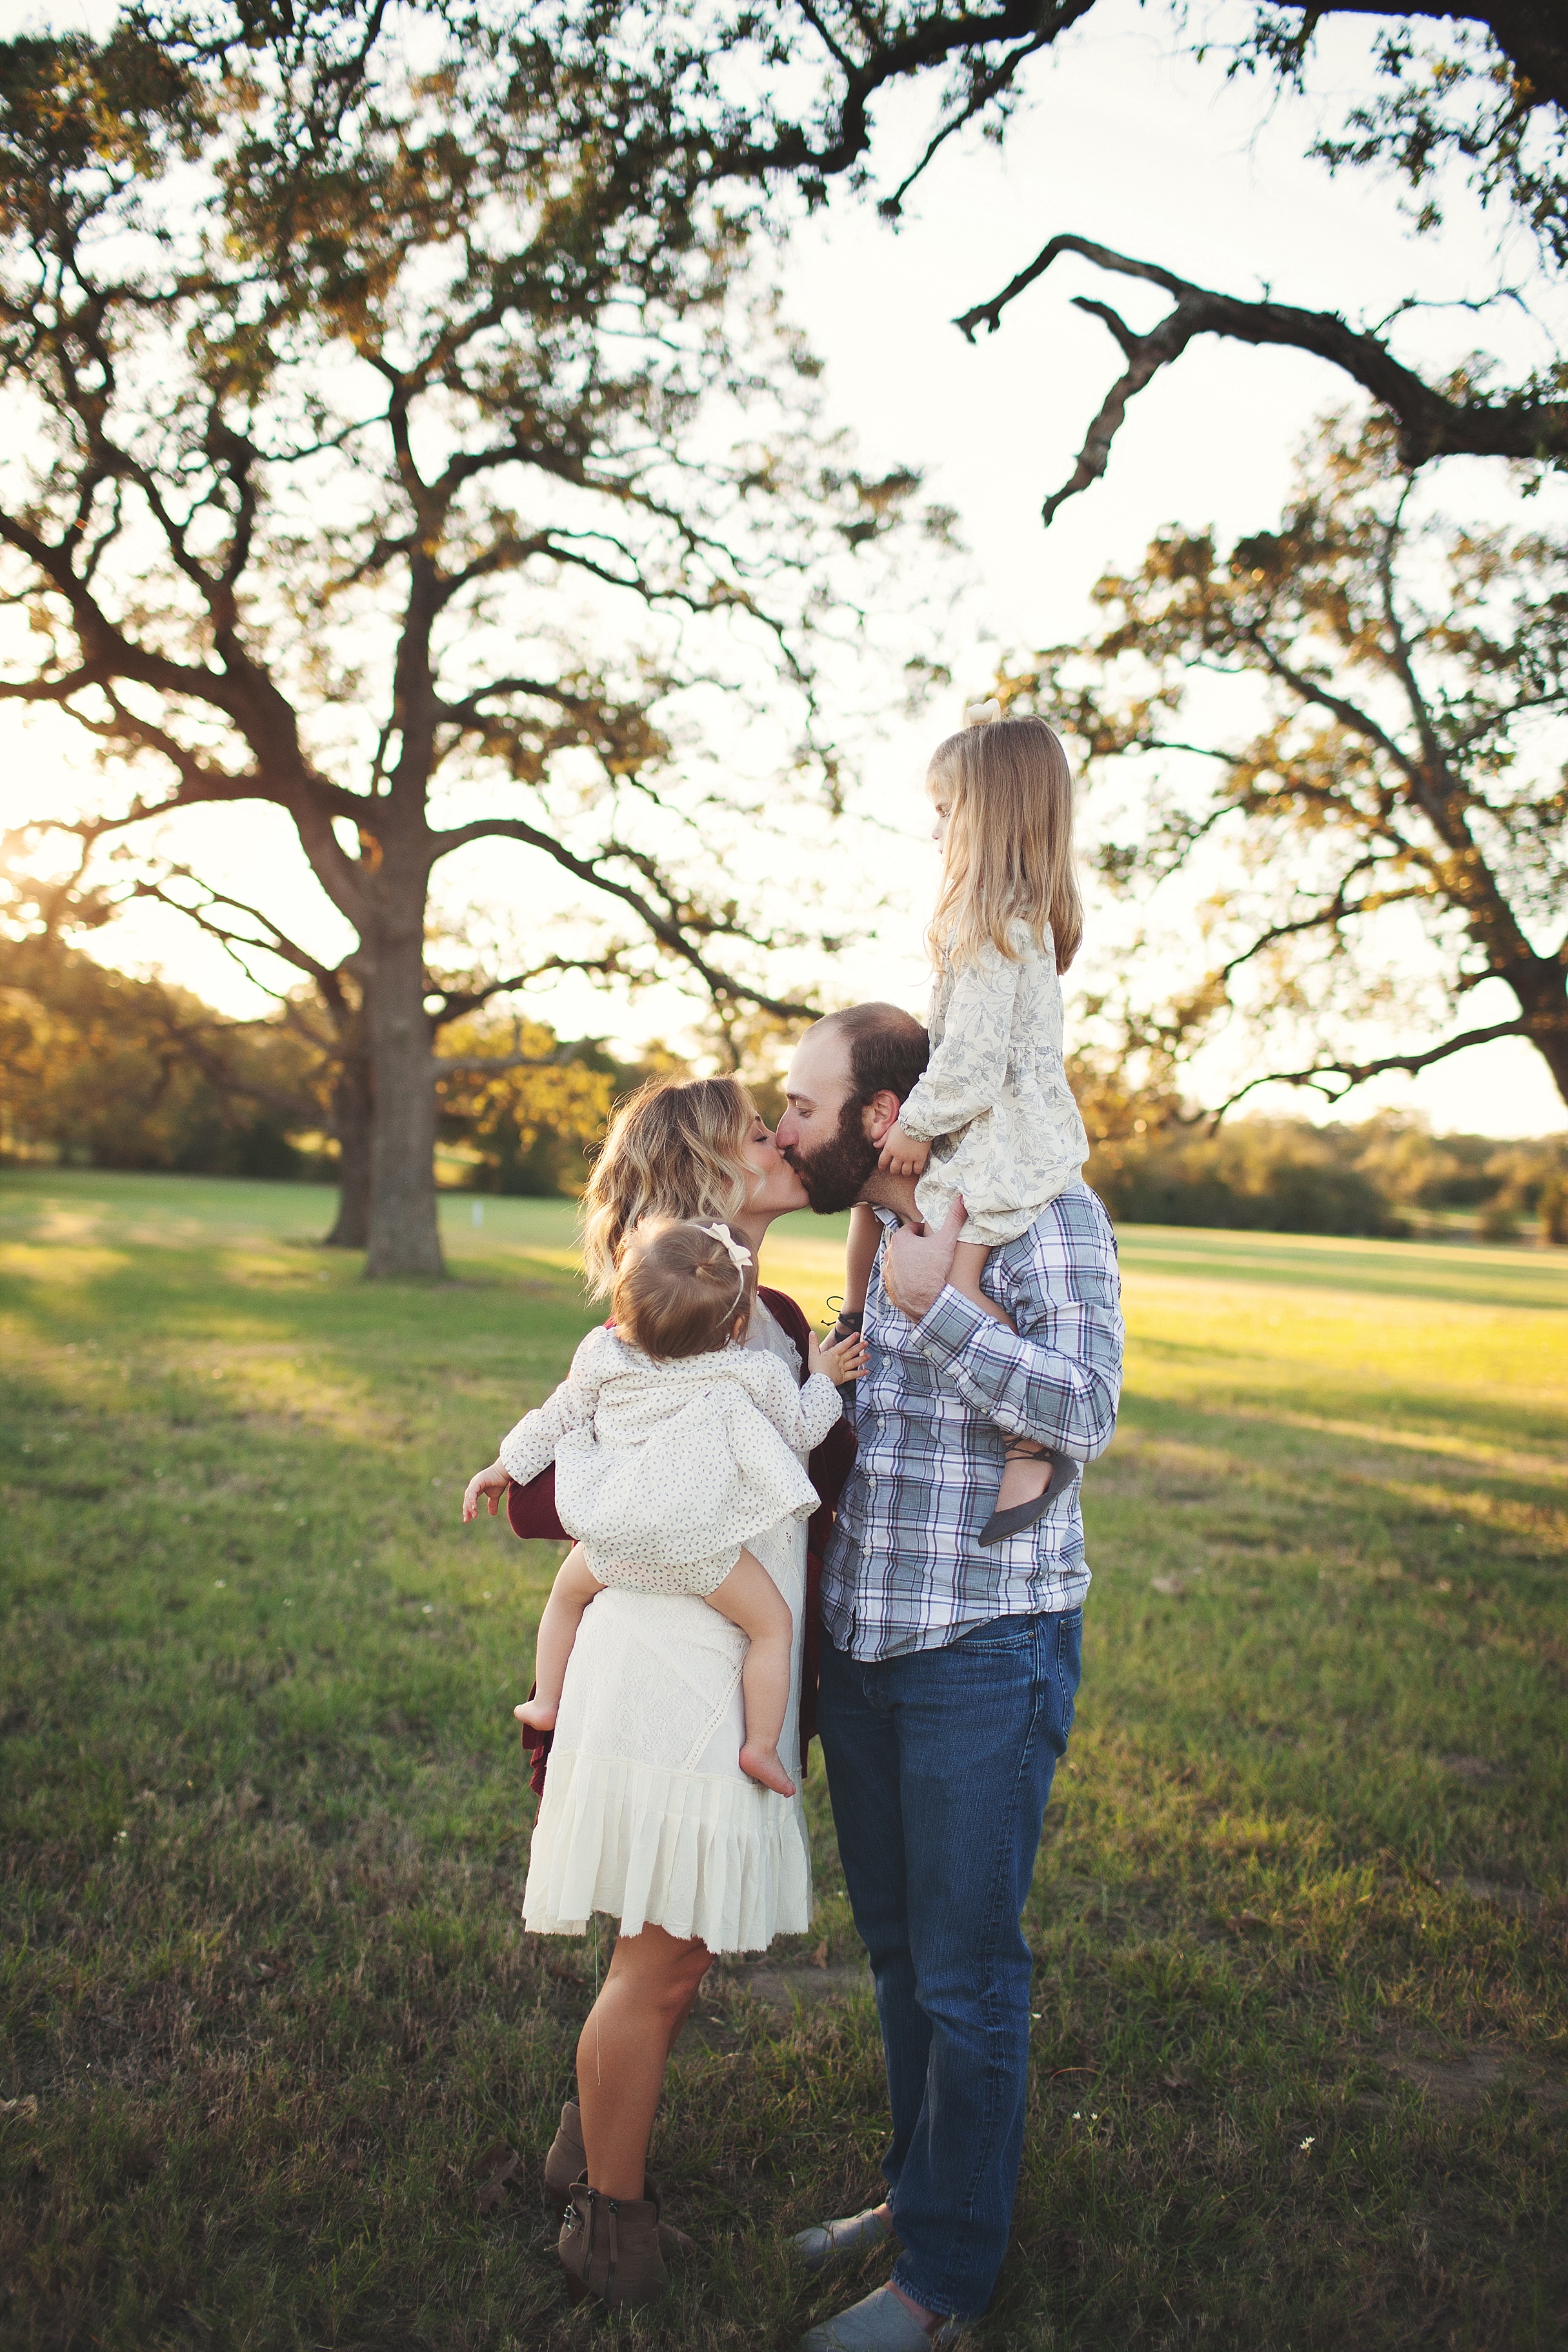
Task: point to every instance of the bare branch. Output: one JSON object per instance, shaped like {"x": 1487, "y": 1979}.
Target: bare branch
{"x": 1431, "y": 424}
{"x": 674, "y": 935}
{"x": 1321, "y": 1076}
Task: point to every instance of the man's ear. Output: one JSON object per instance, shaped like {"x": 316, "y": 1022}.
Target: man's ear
{"x": 878, "y": 1115}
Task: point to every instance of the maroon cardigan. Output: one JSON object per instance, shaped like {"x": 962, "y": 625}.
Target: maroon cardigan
{"x": 532, "y": 1511}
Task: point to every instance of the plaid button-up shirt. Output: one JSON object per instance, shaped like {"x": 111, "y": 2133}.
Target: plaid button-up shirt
{"x": 933, "y": 1411}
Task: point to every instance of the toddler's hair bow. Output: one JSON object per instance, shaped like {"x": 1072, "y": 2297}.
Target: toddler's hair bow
{"x": 740, "y": 1256}
{"x": 982, "y": 714}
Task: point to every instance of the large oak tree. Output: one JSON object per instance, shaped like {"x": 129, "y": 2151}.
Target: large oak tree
{"x": 1348, "y": 723}
{"x": 370, "y": 400}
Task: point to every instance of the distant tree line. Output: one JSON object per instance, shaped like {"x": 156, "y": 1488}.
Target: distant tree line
{"x": 107, "y": 1071}
{"x": 100, "y": 1069}
{"x": 1385, "y": 1176}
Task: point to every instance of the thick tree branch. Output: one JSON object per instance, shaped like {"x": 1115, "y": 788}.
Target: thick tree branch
{"x": 672, "y": 934}
{"x": 1321, "y": 1075}
{"x": 1339, "y": 908}
{"x": 1431, "y": 424}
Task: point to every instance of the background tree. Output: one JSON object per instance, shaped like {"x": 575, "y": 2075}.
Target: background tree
{"x": 785, "y": 93}
{"x": 354, "y": 408}
{"x": 98, "y": 1067}
{"x": 1403, "y": 685}
{"x": 1483, "y": 88}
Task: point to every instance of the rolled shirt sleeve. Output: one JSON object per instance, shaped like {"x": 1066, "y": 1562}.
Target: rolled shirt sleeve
{"x": 935, "y": 1409}
{"x": 1028, "y": 1383}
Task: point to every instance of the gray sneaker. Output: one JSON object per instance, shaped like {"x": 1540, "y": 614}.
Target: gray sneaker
{"x": 837, "y": 2242}
{"x": 880, "y": 2322}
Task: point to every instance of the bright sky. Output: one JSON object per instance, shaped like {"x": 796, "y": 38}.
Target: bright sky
{"x": 1129, "y": 143}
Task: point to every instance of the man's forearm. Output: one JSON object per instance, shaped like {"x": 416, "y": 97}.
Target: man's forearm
{"x": 1027, "y": 1383}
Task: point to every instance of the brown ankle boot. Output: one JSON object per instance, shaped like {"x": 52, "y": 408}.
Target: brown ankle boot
{"x": 567, "y": 2163}
{"x": 609, "y": 2248}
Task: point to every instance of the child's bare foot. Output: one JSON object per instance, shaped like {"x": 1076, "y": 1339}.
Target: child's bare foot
{"x": 760, "y": 1763}
{"x": 538, "y": 1714}
{"x": 1024, "y": 1479}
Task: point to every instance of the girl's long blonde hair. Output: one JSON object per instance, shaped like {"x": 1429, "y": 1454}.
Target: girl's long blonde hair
{"x": 676, "y": 1149}
{"x": 1009, "y": 851}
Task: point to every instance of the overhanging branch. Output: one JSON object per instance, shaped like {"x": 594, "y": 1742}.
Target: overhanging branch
{"x": 1335, "y": 1079}
{"x": 667, "y": 928}
{"x": 1431, "y": 424}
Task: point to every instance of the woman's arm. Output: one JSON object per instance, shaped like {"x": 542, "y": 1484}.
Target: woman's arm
{"x": 968, "y": 1069}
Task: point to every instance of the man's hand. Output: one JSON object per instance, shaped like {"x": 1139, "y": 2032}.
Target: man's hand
{"x": 902, "y": 1155}
{"x": 916, "y": 1263}
{"x": 491, "y": 1484}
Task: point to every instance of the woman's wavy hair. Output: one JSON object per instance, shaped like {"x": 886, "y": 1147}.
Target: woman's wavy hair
{"x": 674, "y": 1149}
{"x": 1009, "y": 849}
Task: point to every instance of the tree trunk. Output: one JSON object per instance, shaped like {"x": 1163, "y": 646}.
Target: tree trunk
{"x": 352, "y": 1113}
{"x": 403, "y": 1238}
{"x": 1549, "y": 1036}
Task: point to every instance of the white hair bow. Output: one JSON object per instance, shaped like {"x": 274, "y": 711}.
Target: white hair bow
{"x": 982, "y": 714}
{"x": 740, "y": 1256}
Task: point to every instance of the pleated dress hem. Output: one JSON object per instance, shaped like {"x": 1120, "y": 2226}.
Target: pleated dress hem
{"x": 710, "y": 1855}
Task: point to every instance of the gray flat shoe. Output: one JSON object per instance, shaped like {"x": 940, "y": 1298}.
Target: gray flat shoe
{"x": 836, "y": 2241}
{"x": 1065, "y": 1472}
{"x": 880, "y": 2324}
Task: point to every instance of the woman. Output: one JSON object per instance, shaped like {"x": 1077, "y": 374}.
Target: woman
{"x": 645, "y": 1811}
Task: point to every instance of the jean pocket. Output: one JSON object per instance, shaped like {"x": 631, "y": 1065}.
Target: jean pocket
{"x": 998, "y": 1634}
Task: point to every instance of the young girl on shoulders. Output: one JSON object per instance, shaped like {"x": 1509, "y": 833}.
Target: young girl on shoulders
{"x": 992, "y": 1118}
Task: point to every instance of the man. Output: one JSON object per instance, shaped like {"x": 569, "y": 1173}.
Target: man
{"x": 948, "y": 1671}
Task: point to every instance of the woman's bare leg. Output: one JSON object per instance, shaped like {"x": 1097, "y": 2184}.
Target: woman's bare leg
{"x": 749, "y": 1599}
{"x": 575, "y": 1585}
{"x": 623, "y": 2048}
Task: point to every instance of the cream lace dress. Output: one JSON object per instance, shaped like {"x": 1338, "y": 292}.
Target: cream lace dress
{"x": 993, "y": 1102}
{"x": 646, "y": 1813}
{"x": 665, "y": 1468}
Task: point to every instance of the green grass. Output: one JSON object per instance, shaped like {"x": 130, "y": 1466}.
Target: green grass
{"x": 1302, "y": 2067}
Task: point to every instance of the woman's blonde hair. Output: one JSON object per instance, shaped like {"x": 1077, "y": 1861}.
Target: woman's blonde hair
{"x": 676, "y": 1149}
{"x": 1009, "y": 851}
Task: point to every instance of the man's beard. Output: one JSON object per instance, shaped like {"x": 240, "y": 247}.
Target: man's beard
{"x": 835, "y": 1173}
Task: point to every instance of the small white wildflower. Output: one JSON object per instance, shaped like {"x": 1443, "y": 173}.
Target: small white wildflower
{"x": 428, "y": 1609}
{"x": 1077, "y": 2116}
{"x": 1307, "y": 2143}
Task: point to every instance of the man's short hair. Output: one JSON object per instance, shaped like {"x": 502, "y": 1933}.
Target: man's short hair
{"x": 889, "y": 1049}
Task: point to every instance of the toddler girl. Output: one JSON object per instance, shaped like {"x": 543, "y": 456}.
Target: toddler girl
{"x": 673, "y": 1443}
{"x": 993, "y": 1117}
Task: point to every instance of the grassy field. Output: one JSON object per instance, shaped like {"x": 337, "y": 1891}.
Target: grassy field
{"x": 1302, "y": 2067}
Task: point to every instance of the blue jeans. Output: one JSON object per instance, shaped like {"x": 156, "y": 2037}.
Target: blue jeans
{"x": 939, "y": 1767}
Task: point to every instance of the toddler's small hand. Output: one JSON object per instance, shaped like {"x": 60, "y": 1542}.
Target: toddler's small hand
{"x": 491, "y": 1484}
{"x": 841, "y": 1361}
{"x": 901, "y": 1154}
